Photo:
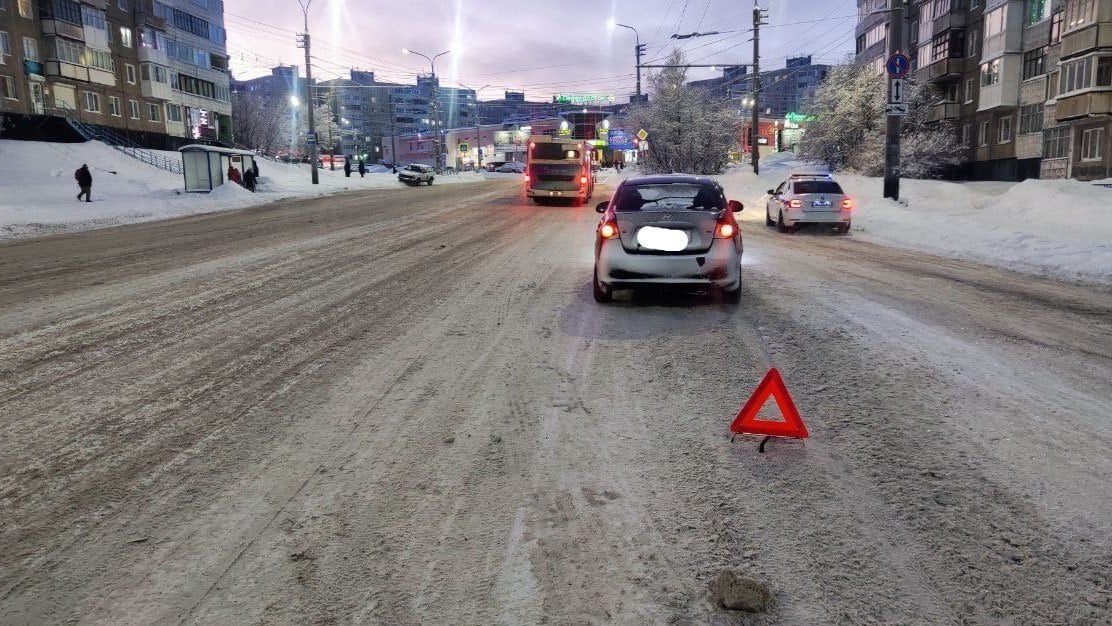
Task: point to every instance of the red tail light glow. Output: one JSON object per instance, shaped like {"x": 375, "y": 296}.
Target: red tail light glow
{"x": 847, "y": 204}
{"x": 794, "y": 204}
{"x": 725, "y": 231}
{"x": 582, "y": 180}
{"x": 608, "y": 230}
{"x": 527, "y": 178}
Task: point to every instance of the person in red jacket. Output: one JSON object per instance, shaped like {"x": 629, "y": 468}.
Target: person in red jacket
{"x": 233, "y": 175}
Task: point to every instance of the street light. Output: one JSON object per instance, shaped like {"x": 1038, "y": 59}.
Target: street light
{"x": 295, "y": 101}
{"x": 478, "y": 127}
{"x": 435, "y": 96}
{"x": 638, "y": 49}
{"x": 309, "y": 91}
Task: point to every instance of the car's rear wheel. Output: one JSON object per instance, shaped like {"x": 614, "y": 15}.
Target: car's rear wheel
{"x": 430, "y": 182}
{"x": 732, "y": 296}
{"x": 768, "y": 220}
{"x": 602, "y": 294}
{"x": 780, "y": 225}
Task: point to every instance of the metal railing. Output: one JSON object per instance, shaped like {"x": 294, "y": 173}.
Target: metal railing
{"x": 110, "y": 137}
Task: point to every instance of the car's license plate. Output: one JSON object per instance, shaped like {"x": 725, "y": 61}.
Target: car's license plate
{"x": 662, "y": 239}
{"x": 821, "y": 204}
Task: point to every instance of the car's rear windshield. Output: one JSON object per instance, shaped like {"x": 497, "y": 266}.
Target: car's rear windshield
{"x": 817, "y": 186}
{"x": 670, "y": 197}
{"x": 554, "y": 152}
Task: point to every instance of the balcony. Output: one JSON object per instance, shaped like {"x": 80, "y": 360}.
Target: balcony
{"x": 102, "y": 77}
{"x": 65, "y": 29}
{"x": 1005, "y": 93}
{"x": 944, "y": 111}
{"x": 154, "y": 55}
{"x": 1084, "y": 105}
{"x": 942, "y": 71}
{"x": 1086, "y": 39}
{"x": 144, "y": 15}
{"x": 950, "y": 21}
{"x": 67, "y": 70}
{"x": 99, "y": 4}
{"x": 156, "y": 90}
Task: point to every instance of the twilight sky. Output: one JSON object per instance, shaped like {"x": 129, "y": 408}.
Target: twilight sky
{"x": 543, "y": 47}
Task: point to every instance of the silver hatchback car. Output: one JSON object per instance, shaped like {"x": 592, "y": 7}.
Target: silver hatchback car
{"x": 671, "y": 230}
{"x": 809, "y": 199}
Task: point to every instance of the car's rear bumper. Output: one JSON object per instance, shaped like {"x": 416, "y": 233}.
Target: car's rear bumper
{"x": 799, "y": 216}
{"x": 719, "y": 267}
{"x": 532, "y": 192}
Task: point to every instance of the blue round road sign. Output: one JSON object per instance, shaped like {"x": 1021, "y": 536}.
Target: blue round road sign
{"x": 898, "y": 65}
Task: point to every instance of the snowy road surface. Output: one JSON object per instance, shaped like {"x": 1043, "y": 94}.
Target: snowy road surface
{"x": 404, "y": 407}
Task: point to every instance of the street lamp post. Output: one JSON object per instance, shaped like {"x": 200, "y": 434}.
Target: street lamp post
{"x": 638, "y": 49}
{"x": 435, "y": 99}
{"x": 478, "y": 127}
{"x": 309, "y": 90}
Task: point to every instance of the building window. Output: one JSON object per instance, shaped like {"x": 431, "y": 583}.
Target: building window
{"x": 1091, "y": 144}
{"x": 969, "y": 91}
{"x": 1005, "y": 129}
{"x": 129, "y": 69}
{"x": 1076, "y": 75}
{"x": 984, "y": 134}
{"x": 1056, "y": 26}
{"x": 1080, "y": 13}
{"x": 154, "y": 112}
{"x": 952, "y": 93}
{"x": 1037, "y": 11}
{"x": 99, "y": 60}
{"x": 114, "y": 106}
{"x": 967, "y": 135}
{"x": 996, "y": 21}
{"x": 64, "y": 10}
{"x": 7, "y": 87}
{"x": 1034, "y": 63}
{"x": 1104, "y": 72}
{"x": 122, "y": 5}
{"x": 25, "y": 8}
{"x": 1030, "y": 119}
{"x": 31, "y": 49}
{"x": 5, "y": 47}
{"x": 93, "y": 18}
{"x": 70, "y": 51}
{"x": 1056, "y": 142}
{"x": 173, "y": 112}
{"x": 990, "y": 73}
{"x": 133, "y": 109}
{"x": 92, "y": 102}
{"x": 973, "y": 42}
{"x": 125, "y": 37}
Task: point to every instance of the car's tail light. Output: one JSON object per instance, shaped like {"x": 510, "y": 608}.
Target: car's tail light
{"x": 608, "y": 230}
{"x": 794, "y": 204}
{"x": 847, "y": 204}
{"x": 582, "y": 180}
{"x": 726, "y": 227}
{"x": 526, "y": 178}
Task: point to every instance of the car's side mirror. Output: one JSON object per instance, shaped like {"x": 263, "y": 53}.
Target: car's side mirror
{"x": 735, "y": 206}
{"x": 601, "y": 207}
{"x": 772, "y": 192}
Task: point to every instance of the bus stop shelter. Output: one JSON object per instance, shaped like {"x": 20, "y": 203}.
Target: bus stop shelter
{"x": 206, "y": 167}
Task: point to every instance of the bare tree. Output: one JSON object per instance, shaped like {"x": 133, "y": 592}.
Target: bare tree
{"x": 262, "y": 124}
{"x": 848, "y": 128}
{"x": 689, "y": 132}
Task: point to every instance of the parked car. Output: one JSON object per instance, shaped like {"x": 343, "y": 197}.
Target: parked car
{"x": 414, "y": 174}
{"x": 511, "y": 167}
{"x": 809, "y": 199}
{"x": 673, "y": 230}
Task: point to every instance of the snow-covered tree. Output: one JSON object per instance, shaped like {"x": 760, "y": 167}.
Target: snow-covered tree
{"x": 688, "y": 131}
{"x": 262, "y": 124}
{"x": 849, "y": 127}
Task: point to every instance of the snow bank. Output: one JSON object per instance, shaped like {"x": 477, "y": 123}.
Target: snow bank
{"x": 1058, "y": 227}
{"x": 38, "y": 195}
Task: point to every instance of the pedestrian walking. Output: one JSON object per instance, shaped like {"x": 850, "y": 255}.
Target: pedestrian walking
{"x": 362, "y": 168}
{"x": 249, "y": 179}
{"x": 233, "y": 175}
{"x": 84, "y": 180}
{"x": 347, "y": 167}
{"x": 255, "y": 168}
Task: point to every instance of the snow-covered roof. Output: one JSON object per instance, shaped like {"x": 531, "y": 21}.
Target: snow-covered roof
{"x": 196, "y": 147}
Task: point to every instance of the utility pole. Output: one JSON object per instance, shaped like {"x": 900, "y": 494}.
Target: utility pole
{"x": 393, "y": 134}
{"x": 331, "y": 123}
{"x": 309, "y": 90}
{"x": 895, "y": 122}
{"x": 435, "y": 108}
{"x": 754, "y": 145}
{"x": 638, "y": 50}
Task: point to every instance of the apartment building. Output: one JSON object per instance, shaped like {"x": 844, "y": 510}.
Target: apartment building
{"x": 1027, "y": 84}
{"x": 107, "y": 63}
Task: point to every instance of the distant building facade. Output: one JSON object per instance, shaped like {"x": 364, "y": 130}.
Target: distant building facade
{"x": 783, "y": 91}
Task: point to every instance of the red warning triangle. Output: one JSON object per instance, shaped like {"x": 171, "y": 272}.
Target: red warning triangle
{"x": 746, "y": 421}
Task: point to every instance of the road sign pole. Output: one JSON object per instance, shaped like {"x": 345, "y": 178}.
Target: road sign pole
{"x": 895, "y": 122}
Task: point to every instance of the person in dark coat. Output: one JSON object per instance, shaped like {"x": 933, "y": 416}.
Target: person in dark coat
{"x": 249, "y": 179}
{"x": 85, "y": 181}
{"x": 362, "y": 168}
{"x": 347, "y": 167}
{"x": 255, "y": 168}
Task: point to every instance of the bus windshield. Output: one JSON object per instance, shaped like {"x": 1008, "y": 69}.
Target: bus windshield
{"x": 554, "y": 152}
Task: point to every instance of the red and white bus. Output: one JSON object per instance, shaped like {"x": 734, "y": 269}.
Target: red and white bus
{"x": 559, "y": 169}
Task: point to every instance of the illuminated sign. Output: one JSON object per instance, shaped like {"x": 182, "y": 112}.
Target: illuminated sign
{"x": 582, "y": 98}
{"x": 799, "y": 118}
